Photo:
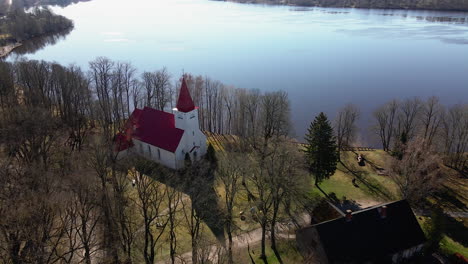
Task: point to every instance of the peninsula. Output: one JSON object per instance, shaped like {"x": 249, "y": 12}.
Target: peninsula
{"x": 17, "y": 26}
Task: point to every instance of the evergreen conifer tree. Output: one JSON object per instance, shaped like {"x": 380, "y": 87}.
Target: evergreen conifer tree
{"x": 321, "y": 150}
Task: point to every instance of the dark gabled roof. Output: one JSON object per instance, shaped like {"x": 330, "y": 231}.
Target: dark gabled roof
{"x": 368, "y": 236}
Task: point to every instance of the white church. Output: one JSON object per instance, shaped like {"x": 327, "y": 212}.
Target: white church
{"x": 165, "y": 137}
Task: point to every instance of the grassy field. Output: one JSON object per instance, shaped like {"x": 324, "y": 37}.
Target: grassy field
{"x": 370, "y": 189}
{"x": 287, "y": 249}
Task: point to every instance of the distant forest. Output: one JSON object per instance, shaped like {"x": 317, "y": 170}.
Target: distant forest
{"x": 19, "y": 25}
{"x": 21, "y": 4}
{"x": 446, "y": 5}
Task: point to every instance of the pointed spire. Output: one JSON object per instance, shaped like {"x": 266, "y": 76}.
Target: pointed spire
{"x": 185, "y": 102}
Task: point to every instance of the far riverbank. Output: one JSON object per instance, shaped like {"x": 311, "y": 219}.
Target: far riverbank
{"x": 435, "y": 5}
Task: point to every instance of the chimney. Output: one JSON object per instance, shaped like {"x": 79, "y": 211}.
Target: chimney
{"x": 383, "y": 211}
{"x": 349, "y": 216}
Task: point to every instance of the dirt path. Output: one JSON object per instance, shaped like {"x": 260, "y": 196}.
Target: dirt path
{"x": 243, "y": 240}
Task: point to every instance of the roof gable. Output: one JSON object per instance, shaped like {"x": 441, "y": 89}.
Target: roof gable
{"x": 368, "y": 236}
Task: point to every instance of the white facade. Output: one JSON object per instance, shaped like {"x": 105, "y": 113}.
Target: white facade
{"x": 193, "y": 141}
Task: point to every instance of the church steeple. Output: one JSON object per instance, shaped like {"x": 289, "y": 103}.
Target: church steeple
{"x": 185, "y": 103}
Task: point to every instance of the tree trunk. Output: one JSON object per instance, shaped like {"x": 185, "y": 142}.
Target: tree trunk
{"x": 194, "y": 252}
{"x": 273, "y": 233}
{"x": 229, "y": 233}
{"x": 263, "y": 254}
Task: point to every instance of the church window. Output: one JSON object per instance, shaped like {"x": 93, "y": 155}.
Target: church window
{"x": 159, "y": 154}
{"x": 194, "y": 143}
{"x": 149, "y": 150}
{"x": 193, "y": 133}
{"x": 141, "y": 147}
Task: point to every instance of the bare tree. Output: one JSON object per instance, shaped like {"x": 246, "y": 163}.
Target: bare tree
{"x": 157, "y": 87}
{"x": 407, "y": 118}
{"x": 30, "y": 135}
{"x": 385, "y": 123}
{"x": 173, "y": 198}
{"x": 128, "y": 81}
{"x": 151, "y": 195}
{"x": 418, "y": 173}
{"x": 162, "y": 88}
{"x": 230, "y": 174}
{"x": 455, "y": 133}
{"x": 431, "y": 118}
{"x": 345, "y": 125}
{"x": 85, "y": 215}
{"x": 100, "y": 161}
{"x": 286, "y": 183}
{"x": 193, "y": 223}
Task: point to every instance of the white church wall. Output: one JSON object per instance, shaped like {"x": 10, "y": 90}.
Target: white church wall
{"x": 156, "y": 154}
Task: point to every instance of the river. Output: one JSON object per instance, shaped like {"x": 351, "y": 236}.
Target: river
{"x": 323, "y": 57}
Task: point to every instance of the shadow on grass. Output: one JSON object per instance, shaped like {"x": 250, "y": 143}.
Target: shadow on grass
{"x": 200, "y": 189}
{"x": 346, "y": 204}
{"x": 456, "y": 230}
{"x": 449, "y": 197}
{"x": 372, "y": 164}
{"x": 372, "y": 186}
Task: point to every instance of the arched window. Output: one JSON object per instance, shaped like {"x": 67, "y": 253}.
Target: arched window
{"x": 149, "y": 151}
{"x": 159, "y": 154}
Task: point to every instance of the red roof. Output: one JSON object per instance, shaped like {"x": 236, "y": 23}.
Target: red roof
{"x": 185, "y": 103}
{"x": 154, "y": 127}
{"x": 121, "y": 142}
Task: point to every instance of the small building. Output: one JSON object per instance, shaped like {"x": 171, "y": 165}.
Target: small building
{"x": 387, "y": 233}
{"x": 165, "y": 137}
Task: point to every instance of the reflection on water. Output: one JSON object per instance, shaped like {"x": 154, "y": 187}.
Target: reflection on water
{"x": 33, "y": 45}
{"x": 439, "y": 19}
{"x": 457, "y": 20}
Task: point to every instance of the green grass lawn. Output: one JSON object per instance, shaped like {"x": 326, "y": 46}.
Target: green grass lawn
{"x": 448, "y": 246}
{"x": 286, "y": 248}
{"x": 371, "y": 188}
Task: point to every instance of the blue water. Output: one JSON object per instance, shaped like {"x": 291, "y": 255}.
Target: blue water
{"x": 323, "y": 57}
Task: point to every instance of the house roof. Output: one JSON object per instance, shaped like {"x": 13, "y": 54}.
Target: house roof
{"x": 185, "y": 103}
{"x": 154, "y": 127}
{"x": 368, "y": 236}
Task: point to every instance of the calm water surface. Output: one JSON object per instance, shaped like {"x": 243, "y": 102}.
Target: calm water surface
{"x": 324, "y": 58}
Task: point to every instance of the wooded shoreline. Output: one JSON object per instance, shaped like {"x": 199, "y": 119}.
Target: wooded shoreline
{"x": 437, "y": 5}
{"x": 7, "y": 49}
